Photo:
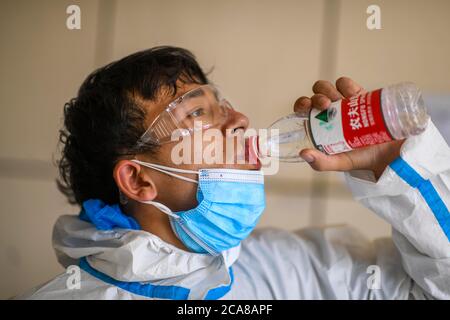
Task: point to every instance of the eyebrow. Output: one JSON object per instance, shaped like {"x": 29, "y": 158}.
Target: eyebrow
{"x": 196, "y": 93}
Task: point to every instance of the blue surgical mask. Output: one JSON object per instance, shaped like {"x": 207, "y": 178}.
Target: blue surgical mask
{"x": 230, "y": 203}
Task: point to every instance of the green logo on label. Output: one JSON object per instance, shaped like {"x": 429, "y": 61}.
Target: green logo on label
{"x": 326, "y": 116}
{"x": 322, "y": 116}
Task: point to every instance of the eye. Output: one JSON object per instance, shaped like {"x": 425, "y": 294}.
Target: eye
{"x": 197, "y": 113}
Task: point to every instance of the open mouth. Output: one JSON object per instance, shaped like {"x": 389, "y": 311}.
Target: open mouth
{"x": 251, "y": 156}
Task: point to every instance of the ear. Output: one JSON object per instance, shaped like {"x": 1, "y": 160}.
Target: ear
{"x": 133, "y": 182}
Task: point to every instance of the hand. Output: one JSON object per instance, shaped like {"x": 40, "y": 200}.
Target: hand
{"x": 374, "y": 158}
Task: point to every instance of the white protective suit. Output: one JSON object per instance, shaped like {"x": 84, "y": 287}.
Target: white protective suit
{"x": 412, "y": 194}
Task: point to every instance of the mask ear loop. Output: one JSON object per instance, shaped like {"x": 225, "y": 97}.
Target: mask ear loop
{"x": 162, "y": 207}
{"x": 167, "y": 170}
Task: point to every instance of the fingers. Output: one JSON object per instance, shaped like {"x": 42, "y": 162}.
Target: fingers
{"x": 320, "y": 101}
{"x": 348, "y": 88}
{"x": 322, "y": 162}
{"x": 327, "y": 89}
{"x": 325, "y": 93}
{"x": 302, "y": 105}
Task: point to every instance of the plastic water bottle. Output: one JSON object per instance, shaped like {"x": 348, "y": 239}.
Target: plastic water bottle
{"x": 391, "y": 113}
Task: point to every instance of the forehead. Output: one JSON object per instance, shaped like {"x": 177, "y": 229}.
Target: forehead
{"x": 164, "y": 98}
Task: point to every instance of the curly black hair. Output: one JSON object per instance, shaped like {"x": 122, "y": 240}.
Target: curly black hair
{"x": 105, "y": 120}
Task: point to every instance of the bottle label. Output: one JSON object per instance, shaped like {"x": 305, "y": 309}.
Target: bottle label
{"x": 349, "y": 124}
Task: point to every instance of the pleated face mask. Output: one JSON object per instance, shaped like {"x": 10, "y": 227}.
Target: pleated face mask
{"x": 230, "y": 203}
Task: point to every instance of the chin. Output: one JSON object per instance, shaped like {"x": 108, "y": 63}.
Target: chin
{"x": 247, "y": 166}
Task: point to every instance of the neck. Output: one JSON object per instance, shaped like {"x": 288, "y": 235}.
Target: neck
{"x": 152, "y": 220}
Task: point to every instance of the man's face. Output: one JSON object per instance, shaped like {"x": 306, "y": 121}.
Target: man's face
{"x": 229, "y": 135}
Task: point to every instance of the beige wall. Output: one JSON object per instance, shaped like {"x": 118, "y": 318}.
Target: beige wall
{"x": 265, "y": 54}
{"x": 414, "y": 44}
{"x": 42, "y": 64}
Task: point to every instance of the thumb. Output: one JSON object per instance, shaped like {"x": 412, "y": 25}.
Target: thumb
{"x": 321, "y": 162}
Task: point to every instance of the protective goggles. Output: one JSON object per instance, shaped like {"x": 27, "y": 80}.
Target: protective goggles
{"x": 198, "y": 109}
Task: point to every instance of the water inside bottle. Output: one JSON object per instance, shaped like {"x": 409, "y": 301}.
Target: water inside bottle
{"x": 286, "y": 138}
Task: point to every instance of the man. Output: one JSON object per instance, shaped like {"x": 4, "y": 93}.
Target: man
{"x": 151, "y": 228}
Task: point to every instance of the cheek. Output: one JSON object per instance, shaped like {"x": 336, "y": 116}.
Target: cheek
{"x": 197, "y": 151}
{"x": 163, "y": 154}
{"x": 217, "y": 150}
{"x": 177, "y": 194}
{"x": 181, "y": 195}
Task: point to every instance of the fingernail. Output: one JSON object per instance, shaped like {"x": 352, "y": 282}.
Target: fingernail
{"x": 308, "y": 158}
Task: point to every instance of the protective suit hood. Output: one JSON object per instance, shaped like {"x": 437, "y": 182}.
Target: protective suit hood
{"x": 139, "y": 256}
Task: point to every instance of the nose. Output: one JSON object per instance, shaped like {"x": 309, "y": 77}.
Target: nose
{"x": 235, "y": 122}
